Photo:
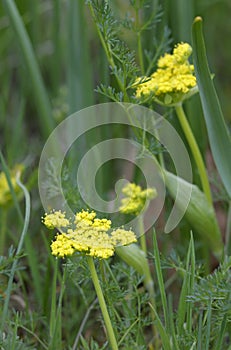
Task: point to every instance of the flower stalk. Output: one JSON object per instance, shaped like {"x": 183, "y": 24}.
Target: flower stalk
{"x": 102, "y": 303}
{"x": 195, "y": 151}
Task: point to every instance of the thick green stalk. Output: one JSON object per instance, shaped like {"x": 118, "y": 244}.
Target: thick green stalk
{"x": 40, "y": 95}
{"x": 142, "y": 234}
{"x": 195, "y": 151}
{"x": 102, "y": 303}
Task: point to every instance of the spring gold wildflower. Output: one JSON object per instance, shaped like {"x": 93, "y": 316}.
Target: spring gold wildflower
{"x": 87, "y": 234}
{"x": 135, "y": 198}
{"x": 5, "y": 194}
{"x": 174, "y": 79}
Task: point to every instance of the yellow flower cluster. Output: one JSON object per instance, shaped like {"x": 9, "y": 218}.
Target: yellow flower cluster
{"x": 89, "y": 235}
{"x": 55, "y": 219}
{"x": 174, "y": 78}
{"x": 5, "y": 194}
{"x": 135, "y": 198}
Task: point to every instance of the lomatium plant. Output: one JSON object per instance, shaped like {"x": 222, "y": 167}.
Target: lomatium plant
{"x": 90, "y": 236}
{"x": 173, "y": 82}
{"x": 92, "y": 283}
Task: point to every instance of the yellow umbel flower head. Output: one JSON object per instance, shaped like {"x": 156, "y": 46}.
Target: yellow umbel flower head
{"x": 87, "y": 234}
{"x": 174, "y": 79}
{"x": 135, "y": 198}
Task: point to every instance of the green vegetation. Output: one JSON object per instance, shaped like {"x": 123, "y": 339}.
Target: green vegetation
{"x": 86, "y": 292}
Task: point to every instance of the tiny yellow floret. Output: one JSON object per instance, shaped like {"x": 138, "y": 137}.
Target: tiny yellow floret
{"x": 55, "y": 219}
{"x": 62, "y": 246}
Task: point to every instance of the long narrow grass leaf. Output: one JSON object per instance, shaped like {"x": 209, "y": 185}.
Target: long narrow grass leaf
{"x": 20, "y": 244}
{"x": 219, "y": 342}
{"x": 40, "y": 95}
{"x": 208, "y": 326}
{"x": 162, "y": 331}
{"x": 199, "y": 334}
{"x": 182, "y": 307}
{"x": 219, "y": 137}
{"x": 160, "y": 279}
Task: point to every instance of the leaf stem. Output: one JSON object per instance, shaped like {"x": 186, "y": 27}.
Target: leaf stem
{"x": 195, "y": 151}
{"x": 102, "y": 304}
{"x": 108, "y": 52}
{"x": 142, "y": 234}
{"x": 139, "y": 43}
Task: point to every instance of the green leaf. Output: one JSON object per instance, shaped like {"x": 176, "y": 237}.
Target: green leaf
{"x": 199, "y": 212}
{"x": 134, "y": 256}
{"x": 219, "y": 136}
{"x": 37, "y": 84}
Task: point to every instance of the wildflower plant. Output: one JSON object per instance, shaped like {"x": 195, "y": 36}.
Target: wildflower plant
{"x": 154, "y": 291}
{"x": 89, "y": 236}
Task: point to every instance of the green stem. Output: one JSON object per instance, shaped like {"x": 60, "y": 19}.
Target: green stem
{"x": 109, "y": 55}
{"x": 102, "y": 304}
{"x": 139, "y": 43}
{"x": 3, "y": 231}
{"x": 195, "y": 151}
{"x": 148, "y": 281}
{"x": 140, "y": 52}
{"x": 142, "y": 234}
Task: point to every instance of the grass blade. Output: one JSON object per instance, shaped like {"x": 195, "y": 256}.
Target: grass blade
{"x": 185, "y": 290}
{"x": 37, "y": 85}
{"x": 160, "y": 280}
{"x": 20, "y": 244}
{"x": 219, "y": 136}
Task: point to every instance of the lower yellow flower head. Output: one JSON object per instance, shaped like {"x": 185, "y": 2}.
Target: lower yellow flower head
{"x": 135, "y": 198}
{"x": 174, "y": 79}
{"x": 87, "y": 234}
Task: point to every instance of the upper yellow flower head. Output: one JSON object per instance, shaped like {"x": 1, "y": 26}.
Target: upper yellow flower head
{"x": 174, "y": 78}
{"x": 136, "y": 198}
{"x": 87, "y": 234}
{"x": 5, "y": 193}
